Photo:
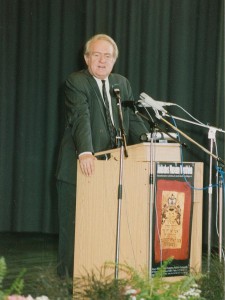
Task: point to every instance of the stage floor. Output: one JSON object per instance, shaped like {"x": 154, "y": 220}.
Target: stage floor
{"x": 37, "y": 254}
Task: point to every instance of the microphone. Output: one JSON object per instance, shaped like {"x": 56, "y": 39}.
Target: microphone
{"x": 117, "y": 93}
{"x": 116, "y": 90}
{"x": 147, "y": 101}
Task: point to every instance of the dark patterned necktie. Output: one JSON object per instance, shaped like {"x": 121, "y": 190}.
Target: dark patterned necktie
{"x": 112, "y": 130}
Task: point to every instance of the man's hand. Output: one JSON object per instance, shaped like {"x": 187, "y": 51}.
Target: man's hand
{"x": 87, "y": 164}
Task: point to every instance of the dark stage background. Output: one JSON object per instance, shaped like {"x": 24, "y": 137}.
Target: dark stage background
{"x": 171, "y": 49}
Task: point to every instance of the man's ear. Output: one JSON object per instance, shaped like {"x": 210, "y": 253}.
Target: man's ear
{"x": 86, "y": 58}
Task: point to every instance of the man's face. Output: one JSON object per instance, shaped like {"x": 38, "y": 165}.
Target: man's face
{"x": 100, "y": 59}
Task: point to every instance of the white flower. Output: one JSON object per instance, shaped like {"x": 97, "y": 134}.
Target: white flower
{"x": 192, "y": 292}
{"x": 131, "y": 292}
{"x": 42, "y": 298}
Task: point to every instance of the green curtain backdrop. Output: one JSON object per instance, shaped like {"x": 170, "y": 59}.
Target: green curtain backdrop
{"x": 171, "y": 49}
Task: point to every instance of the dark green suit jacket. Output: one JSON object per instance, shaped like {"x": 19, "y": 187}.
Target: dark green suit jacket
{"x": 86, "y": 127}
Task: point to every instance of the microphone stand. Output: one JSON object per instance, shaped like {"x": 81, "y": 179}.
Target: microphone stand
{"x": 211, "y": 136}
{"x": 152, "y": 183}
{"x": 123, "y": 152}
{"x": 151, "y": 207}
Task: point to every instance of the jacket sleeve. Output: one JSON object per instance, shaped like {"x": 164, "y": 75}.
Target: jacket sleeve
{"x": 78, "y": 113}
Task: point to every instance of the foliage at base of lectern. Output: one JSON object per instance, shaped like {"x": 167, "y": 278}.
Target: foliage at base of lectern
{"x": 134, "y": 285}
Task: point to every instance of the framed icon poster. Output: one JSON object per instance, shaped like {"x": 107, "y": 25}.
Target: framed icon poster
{"x": 173, "y": 217}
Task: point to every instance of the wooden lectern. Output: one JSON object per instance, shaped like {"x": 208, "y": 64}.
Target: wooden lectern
{"x": 96, "y": 209}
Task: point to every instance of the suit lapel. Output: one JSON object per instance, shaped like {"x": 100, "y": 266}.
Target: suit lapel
{"x": 114, "y": 102}
{"x": 97, "y": 93}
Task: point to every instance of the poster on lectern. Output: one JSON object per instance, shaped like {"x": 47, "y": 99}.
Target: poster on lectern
{"x": 173, "y": 217}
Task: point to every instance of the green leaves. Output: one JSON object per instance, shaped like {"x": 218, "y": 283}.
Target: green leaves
{"x": 17, "y": 285}
{"x": 101, "y": 284}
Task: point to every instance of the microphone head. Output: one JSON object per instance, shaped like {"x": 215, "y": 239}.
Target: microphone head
{"x": 144, "y": 96}
{"x": 116, "y": 89}
{"x": 115, "y": 86}
{"x": 147, "y": 101}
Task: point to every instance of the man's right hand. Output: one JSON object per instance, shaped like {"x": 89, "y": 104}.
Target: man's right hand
{"x": 87, "y": 164}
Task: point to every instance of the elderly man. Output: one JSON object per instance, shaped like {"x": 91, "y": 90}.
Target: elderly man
{"x": 92, "y": 123}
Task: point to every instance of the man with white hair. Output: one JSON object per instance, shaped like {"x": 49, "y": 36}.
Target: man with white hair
{"x": 92, "y": 123}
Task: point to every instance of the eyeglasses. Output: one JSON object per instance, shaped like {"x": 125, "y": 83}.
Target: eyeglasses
{"x": 99, "y": 55}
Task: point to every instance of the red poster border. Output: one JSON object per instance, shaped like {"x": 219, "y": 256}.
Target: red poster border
{"x": 184, "y": 252}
